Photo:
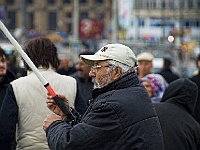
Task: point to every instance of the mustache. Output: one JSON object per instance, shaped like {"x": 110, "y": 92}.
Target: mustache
{"x": 79, "y": 70}
{"x": 2, "y": 68}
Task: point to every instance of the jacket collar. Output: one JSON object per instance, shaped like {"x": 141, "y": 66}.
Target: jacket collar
{"x": 7, "y": 79}
{"x": 125, "y": 81}
{"x": 42, "y": 69}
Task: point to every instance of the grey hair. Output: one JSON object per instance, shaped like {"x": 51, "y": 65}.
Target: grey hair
{"x": 125, "y": 68}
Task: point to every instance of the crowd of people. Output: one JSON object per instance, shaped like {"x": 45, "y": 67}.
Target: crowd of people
{"x": 115, "y": 100}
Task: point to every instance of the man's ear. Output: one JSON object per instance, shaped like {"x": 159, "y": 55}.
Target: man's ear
{"x": 117, "y": 72}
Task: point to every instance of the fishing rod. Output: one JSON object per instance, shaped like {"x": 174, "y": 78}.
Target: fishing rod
{"x": 46, "y": 84}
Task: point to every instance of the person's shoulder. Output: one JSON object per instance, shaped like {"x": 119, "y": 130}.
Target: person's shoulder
{"x": 10, "y": 75}
{"x": 65, "y": 77}
{"x": 195, "y": 78}
{"x": 74, "y": 75}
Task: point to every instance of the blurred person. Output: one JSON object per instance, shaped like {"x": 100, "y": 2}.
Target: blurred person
{"x": 83, "y": 79}
{"x": 24, "y": 106}
{"x": 14, "y": 68}
{"x": 66, "y": 67}
{"x": 167, "y": 72}
{"x": 115, "y": 119}
{"x": 5, "y": 75}
{"x": 180, "y": 130}
{"x": 155, "y": 85}
{"x": 145, "y": 64}
{"x": 196, "y": 79}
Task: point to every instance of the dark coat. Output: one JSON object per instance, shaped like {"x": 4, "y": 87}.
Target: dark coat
{"x": 168, "y": 75}
{"x": 180, "y": 130}
{"x": 4, "y": 84}
{"x": 121, "y": 117}
{"x": 196, "y": 114}
{"x": 84, "y": 87}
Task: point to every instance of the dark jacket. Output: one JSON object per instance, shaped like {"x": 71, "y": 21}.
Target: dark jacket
{"x": 121, "y": 117}
{"x": 196, "y": 114}
{"x": 168, "y": 75}
{"x": 4, "y": 84}
{"x": 84, "y": 87}
{"x": 180, "y": 130}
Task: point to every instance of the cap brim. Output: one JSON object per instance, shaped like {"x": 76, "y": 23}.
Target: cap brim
{"x": 89, "y": 59}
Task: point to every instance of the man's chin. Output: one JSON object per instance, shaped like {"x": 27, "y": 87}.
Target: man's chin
{"x": 2, "y": 74}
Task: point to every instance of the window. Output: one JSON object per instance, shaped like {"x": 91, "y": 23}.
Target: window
{"x": 30, "y": 22}
{"x": 182, "y": 4}
{"x": 163, "y": 5}
{"x": 141, "y": 23}
{"x": 52, "y": 21}
{"x": 51, "y": 1}
{"x": 190, "y": 4}
{"x": 10, "y": 1}
{"x": 154, "y": 4}
{"x": 69, "y": 15}
{"x": 29, "y": 1}
{"x": 171, "y": 5}
{"x": 11, "y": 20}
{"x": 132, "y": 23}
{"x": 84, "y": 15}
{"x": 138, "y": 4}
{"x": 198, "y": 4}
{"x": 69, "y": 28}
{"x": 99, "y": 1}
{"x": 83, "y": 1}
{"x": 2, "y": 13}
{"x": 66, "y": 1}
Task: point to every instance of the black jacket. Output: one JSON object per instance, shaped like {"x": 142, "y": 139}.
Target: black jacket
{"x": 9, "y": 77}
{"x": 180, "y": 130}
{"x": 84, "y": 87}
{"x": 168, "y": 75}
{"x": 196, "y": 114}
{"x": 121, "y": 117}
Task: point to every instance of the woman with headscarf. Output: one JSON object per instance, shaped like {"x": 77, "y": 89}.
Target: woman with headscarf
{"x": 155, "y": 85}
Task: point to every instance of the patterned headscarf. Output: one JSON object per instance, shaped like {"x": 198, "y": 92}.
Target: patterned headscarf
{"x": 158, "y": 85}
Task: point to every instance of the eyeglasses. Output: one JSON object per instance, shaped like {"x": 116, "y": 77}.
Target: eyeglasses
{"x": 94, "y": 68}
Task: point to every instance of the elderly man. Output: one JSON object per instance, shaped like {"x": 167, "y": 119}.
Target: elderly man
{"x": 121, "y": 115}
{"x": 144, "y": 64}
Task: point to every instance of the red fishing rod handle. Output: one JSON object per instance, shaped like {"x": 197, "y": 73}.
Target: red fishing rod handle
{"x": 59, "y": 101}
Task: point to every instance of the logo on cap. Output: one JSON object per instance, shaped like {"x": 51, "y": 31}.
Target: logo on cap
{"x": 104, "y": 48}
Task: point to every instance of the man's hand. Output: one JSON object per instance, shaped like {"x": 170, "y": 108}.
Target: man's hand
{"x": 49, "y": 119}
{"x": 53, "y": 106}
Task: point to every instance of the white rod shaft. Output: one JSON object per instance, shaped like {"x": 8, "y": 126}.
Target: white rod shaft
{"x": 23, "y": 54}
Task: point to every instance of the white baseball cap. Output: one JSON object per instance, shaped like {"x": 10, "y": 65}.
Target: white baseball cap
{"x": 117, "y": 52}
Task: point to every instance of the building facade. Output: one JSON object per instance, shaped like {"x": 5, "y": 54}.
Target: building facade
{"x": 156, "y": 18}
{"x": 52, "y": 15}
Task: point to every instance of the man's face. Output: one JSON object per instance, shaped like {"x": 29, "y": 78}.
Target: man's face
{"x": 144, "y": 67}
{"x": 64, "y": 63}
{"x": 82, "y": 69}
{"x": 102, "y": 75}
{"x": 3, "y": 66}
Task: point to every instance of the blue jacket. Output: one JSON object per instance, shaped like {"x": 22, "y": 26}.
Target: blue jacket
{"x": 121, "y": 117}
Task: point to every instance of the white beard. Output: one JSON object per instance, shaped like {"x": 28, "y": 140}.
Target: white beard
{"x": 102, "y": 82}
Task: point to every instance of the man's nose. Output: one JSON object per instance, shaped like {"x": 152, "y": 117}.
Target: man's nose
{"x": 92, "y": 74}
